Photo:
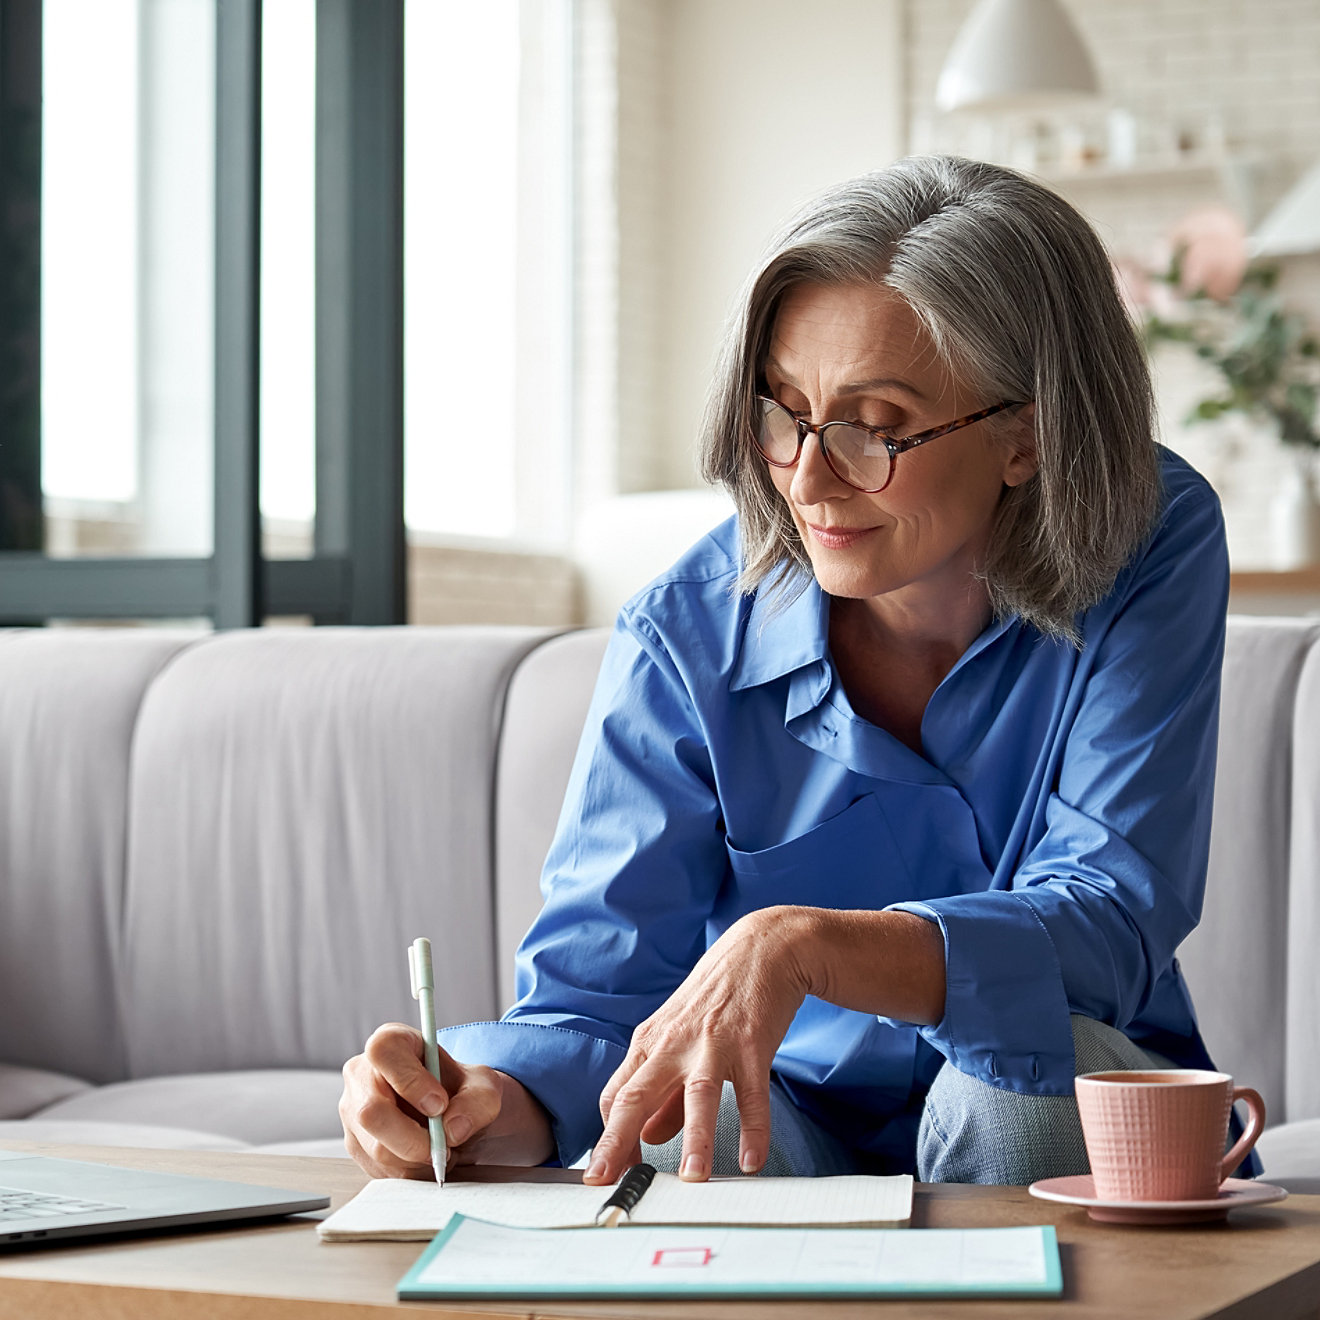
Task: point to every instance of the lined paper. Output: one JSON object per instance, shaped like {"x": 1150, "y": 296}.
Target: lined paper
{"x": 408, "y": 1210}
{"x": 802, "y": 1202}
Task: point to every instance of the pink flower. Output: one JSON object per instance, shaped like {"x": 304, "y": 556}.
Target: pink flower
{"x": 1213, "y": 243}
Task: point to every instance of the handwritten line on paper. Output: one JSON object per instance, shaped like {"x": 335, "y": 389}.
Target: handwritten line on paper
{"x": 683, "y": 1257}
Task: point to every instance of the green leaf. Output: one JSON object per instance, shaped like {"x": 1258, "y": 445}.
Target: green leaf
{"x": 1208, "y": 409}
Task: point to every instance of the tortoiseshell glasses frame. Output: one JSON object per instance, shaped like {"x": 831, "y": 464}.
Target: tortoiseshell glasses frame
{"x": 849, "y": 447}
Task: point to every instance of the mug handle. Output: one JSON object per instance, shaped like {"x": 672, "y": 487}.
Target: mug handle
{"x": 1255, "y": 1126}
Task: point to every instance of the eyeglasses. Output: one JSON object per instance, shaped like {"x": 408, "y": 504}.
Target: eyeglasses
{"x": 862, "y": 457}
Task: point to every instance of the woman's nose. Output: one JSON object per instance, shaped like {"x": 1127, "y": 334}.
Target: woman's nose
{"x": 813, "y": 478}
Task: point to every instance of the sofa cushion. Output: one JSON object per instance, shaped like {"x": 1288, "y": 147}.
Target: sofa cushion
{"x": 93, "y": 1132}
{"x": 322, "y": 1149}
{"x": 246, "y": 1107}
{"x": 69, "y": 701}
{"x": 24, "y": 1091}
{"x": 1291, "y": 1151}
{"x": 304, "y": 804}
{"x": 1235, "y": 961}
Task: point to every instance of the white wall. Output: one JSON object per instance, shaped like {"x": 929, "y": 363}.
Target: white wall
{"x": 761, "y": 104}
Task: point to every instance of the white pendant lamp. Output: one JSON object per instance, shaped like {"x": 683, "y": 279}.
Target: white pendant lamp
{"x": 1016, "y": 55}
{"x": 1293, "y": 227}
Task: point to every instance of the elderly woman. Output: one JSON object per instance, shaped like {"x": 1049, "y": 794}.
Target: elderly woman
{"x": 893, "y": 803}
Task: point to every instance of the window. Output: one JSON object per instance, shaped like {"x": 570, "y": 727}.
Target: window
{"x": 127, "y": 270}
{"x": 127, "y": 302}
{"x": 150, "y": 361}
{"x": 288, "y": 275}
{"x": 486, "y": 244}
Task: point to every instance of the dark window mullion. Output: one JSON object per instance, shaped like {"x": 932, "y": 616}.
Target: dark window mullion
{"x": 21, "y": 526}
{"x": 236, "y": 565}
{"x": 359, "y": 302}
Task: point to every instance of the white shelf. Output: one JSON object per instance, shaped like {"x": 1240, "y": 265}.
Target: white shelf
{"x": 1153, "y": 171}
{"x": 1190, "y": 168}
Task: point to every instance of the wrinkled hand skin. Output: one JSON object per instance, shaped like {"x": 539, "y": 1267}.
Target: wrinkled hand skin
{"x": 388, "y": 1094}
{"x": 723, "y": 1023}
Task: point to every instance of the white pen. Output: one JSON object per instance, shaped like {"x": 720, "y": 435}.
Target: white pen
{"x": 421, "y": 974}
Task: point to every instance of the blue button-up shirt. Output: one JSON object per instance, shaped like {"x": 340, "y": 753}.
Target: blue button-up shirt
{"x": 1055, "y": 825}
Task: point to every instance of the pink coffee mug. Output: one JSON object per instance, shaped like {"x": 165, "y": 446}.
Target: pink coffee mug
{"x": 1158, "y": 1135}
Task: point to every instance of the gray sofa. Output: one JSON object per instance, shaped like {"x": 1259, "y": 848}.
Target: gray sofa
{"x": 215, "y": 849}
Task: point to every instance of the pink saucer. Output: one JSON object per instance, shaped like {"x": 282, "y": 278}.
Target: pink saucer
{"x": 1080, "y": 1190}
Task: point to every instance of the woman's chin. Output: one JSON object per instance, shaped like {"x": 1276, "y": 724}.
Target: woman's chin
{"x": 851, "y": 582}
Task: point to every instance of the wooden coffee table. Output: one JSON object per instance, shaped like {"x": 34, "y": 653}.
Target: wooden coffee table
{"x": 1262, "y": 1263}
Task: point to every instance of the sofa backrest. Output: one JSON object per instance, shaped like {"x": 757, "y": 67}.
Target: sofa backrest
{"x": 304, "y": 804}
{"x": 214, "y": 850}
{"x": 1303, "y": 917}
{"x": 69, "y": 703}
{"x": 1237, "y": 960}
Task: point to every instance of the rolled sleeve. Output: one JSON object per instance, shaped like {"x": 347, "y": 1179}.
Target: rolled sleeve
{"x": 1006, "y": 1015}
{"x": 565, "y": 1069}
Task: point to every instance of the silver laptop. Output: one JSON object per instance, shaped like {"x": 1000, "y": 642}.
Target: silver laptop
{"x": 45, "y": 1198}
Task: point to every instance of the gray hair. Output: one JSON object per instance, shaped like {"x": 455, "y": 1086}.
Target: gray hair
{"x": 1020, "y": 300}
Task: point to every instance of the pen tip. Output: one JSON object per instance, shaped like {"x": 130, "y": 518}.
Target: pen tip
{"x": 439, "y": 1167}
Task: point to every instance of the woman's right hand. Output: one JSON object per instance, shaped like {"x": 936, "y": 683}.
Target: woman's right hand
{"x": 388, "y": 1095}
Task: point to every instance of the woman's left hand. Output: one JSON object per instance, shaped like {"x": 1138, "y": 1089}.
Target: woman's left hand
{"x": 724, "y": 1023}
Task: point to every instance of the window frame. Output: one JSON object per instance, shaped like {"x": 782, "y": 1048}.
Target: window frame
{"x": 357, "y": 572}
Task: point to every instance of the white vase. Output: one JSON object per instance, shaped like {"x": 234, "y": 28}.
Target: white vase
{"x": 1295, "y": 515}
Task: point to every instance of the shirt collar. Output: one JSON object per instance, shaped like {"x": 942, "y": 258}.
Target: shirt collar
{"x": 780, "y": 637}
{"x": 991, "y": 633}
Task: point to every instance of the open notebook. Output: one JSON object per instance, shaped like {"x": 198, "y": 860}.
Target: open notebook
{"x": 408, "y": 1210}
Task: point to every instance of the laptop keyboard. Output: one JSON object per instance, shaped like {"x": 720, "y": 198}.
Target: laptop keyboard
{"x": 16, "y": 1204}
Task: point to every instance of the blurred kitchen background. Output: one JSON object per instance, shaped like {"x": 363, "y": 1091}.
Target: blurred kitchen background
{"x": 404, "y": 310}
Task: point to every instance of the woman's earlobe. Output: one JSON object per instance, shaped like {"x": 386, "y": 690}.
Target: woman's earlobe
{"x": 1023, "y": 460}
{"x": 1021, "y": 470}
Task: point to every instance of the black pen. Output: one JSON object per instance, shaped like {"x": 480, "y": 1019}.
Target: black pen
{"x": 624, "y": 1198}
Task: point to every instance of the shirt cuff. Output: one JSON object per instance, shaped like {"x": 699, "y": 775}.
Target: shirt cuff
{"x": 1006, "y": 1015}
{"x": 565, "y": 1070}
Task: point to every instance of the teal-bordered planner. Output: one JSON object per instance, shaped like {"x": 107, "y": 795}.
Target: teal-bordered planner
{"x": 472, "y": 1260}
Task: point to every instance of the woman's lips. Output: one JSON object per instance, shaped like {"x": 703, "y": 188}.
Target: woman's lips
{"x": 838, "y": 538}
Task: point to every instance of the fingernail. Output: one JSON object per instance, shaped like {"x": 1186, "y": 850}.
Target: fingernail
{"x": 597, "y": 1169}
{"x": 432, "y": 1104}
{"x": 692, "y": 1167}
{"x": 749, "y": 1162}
{"x": 458, "y": 1131}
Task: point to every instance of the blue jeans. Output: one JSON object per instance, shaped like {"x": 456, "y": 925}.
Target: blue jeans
{"x": 970, "y": 1132}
